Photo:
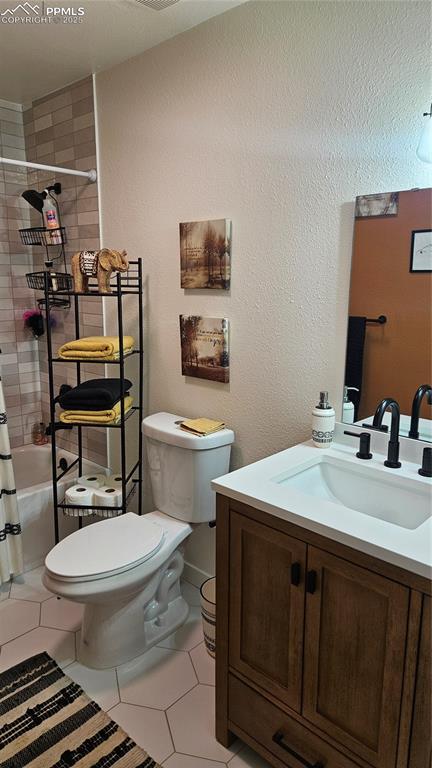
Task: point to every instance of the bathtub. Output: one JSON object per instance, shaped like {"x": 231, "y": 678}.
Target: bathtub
{"x": 32, "y": 468}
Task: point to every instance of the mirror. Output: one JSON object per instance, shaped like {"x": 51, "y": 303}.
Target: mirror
{"x": 389, "y": 344}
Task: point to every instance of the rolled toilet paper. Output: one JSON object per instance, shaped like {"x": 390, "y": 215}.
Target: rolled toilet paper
{"x": 107, "y": 496}
{"x": 92, "y": 480}
{"x": 115, "y": 480}
{"x": 79, "y": 495}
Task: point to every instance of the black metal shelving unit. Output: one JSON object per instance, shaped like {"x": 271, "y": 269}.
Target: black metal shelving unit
{"x": 125, "y": 284}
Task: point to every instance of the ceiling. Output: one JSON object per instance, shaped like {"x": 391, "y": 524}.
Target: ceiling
{"x": 37, "y": 57}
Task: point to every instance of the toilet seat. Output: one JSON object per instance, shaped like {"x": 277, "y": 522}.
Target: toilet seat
{"x": 110, "y": 547}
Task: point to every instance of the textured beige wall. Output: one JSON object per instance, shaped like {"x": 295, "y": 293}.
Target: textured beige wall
{"x": 276, "y": 115}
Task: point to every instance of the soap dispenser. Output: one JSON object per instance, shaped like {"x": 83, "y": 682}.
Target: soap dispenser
{"x": 323, "y": 422}
{"x": 348, "y": 407}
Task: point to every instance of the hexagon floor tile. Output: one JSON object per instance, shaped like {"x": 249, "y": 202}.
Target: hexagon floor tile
{"x": 16, "y": 618}
{"x": 204, "y": 665}
{"x": 147, "y": 727}
{"x": 61, "y": 614}
{"x": 185, "y": 761}
{"x": 247, "y": 758}
{"x": 99, "y": 684}
{"x": 60, "y": 645}
{"x": 29, "y": 586}
{"x": 192, "y": 724}
{"x": 177, "y": 676}
{"x": 157, "y": 678}
{"x": 188, "y": 636}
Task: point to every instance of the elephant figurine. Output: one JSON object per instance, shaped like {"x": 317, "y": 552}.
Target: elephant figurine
{"x": 100, "y": 264}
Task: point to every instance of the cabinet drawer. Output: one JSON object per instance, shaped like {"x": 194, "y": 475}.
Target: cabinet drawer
{"x": 264, "y": 722}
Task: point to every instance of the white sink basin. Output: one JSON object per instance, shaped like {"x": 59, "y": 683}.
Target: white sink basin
{"x": 380, "y": 494}
{"x": 385, "y": 513}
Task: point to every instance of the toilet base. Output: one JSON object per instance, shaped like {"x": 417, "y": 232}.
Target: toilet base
{"x": 103, "y": 650}
{"x": 115, "y": 632}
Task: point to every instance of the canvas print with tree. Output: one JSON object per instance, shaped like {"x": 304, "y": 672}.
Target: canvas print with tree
{"x": 205, "y": 254}
{"x": 205, "y": 347}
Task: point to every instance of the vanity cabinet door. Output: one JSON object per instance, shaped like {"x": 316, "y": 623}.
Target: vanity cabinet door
{"x": 356, "y": 625}
{"x": 267, "y": 607}
{"x": 420, "y": 753}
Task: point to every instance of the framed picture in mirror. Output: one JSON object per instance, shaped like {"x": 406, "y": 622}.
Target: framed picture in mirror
{"x": 421, "y": 251}
{"x": 385, "y": 204}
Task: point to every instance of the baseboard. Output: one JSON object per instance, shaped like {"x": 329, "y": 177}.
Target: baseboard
{"x": 195, "y": 575}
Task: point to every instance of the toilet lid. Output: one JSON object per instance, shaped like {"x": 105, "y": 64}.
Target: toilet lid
{"x": 105, "y": 548}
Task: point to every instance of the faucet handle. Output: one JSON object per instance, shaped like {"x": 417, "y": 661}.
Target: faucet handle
{"x": 426, "y": 467}
{"x": 365, "y": 438}
{"x": 382, "y": 428}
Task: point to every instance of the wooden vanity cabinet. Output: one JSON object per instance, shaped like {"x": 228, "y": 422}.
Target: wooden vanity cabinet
{"x": 312, "y": 655}
{"x": 420, "y": 749}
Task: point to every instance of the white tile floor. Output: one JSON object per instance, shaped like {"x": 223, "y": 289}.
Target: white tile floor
{"x": 163, "y": 699}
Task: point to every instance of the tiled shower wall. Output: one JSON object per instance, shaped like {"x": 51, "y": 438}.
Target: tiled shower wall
{"x": 59, "y": 130}
{"x": 56, "y": 130}
{"x": 19, "y": 361}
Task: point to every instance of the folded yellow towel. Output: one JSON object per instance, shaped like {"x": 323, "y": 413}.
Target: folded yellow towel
{"x": 202, "y": 426}
{"x": 106, "y": 347}
{"x": 112, "y": 415}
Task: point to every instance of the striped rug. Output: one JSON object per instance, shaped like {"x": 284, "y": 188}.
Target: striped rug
{"x": 47, "y": 721}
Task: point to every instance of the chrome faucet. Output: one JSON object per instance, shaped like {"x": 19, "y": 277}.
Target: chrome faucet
{"x": 393, "y": 443}
{"x": 424, "y": 389}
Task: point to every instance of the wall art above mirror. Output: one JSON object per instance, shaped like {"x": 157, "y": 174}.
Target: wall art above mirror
{"x": 389, "y": 344}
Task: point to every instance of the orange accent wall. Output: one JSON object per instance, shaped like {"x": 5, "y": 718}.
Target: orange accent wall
{"x": 397, "y": 356}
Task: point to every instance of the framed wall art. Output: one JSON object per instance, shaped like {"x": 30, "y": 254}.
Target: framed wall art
{"x": 205, "y": 254}
{"x": 205, "y": 347}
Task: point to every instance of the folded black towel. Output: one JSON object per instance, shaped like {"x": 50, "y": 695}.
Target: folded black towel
{"x": 93, "y": 395}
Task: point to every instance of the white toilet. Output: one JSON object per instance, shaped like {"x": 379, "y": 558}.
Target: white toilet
{"x": 126, "y": 570}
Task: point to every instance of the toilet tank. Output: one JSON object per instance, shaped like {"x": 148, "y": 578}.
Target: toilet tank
{"x": 183, "y": 465}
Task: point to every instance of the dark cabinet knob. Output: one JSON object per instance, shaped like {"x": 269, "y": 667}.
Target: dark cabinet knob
{"x": 295, "y": 574}
{"x": 311, "y": 582}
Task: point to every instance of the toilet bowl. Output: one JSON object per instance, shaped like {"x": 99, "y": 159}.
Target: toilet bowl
{"x": 126, "y": 570}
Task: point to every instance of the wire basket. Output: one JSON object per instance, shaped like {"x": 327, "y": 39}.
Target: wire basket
{"x": 57, "y": 281}
{"x": 43, "y": 236}
{"x": 70, "y": 511}
{"x": 78, "y": 512}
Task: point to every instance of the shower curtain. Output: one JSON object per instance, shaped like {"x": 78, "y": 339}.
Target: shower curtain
{"x": 11, "y": 562}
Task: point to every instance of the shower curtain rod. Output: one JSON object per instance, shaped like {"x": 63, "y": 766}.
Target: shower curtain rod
{"x": 91, "y": 175}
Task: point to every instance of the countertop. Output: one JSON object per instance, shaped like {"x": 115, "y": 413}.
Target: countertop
{"x": 404, "y": 547}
